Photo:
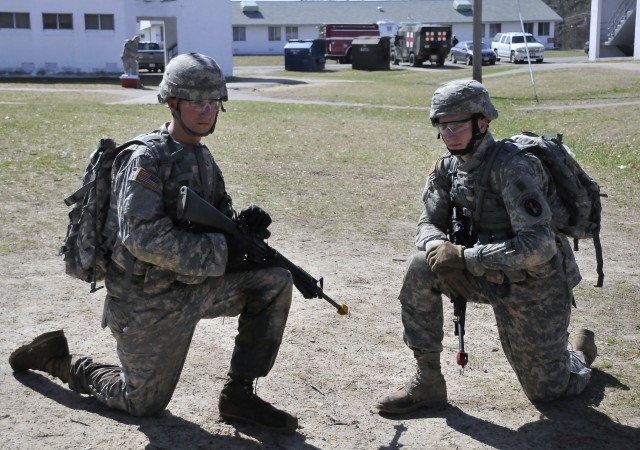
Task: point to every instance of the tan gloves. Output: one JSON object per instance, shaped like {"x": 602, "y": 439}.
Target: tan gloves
{"x": 447, "y": 262}
{"x": 456, "y": 282}
{"x": 446, "y": 255}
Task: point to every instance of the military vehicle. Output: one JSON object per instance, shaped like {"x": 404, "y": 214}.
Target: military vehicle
{"x": 416, "y": 44}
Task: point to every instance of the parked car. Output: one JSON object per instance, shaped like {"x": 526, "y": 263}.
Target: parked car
{"x": 463, "y": 51}
{"x": 150, "y": 56}
{"x": 517, "y": 47}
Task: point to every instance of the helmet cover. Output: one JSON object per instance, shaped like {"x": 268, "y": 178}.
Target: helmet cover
{"x": 460, "y": 97}
{"x": 193, "y": 76}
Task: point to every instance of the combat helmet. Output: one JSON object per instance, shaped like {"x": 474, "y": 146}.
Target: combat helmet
{"x": 461, "y": 97}
{"x": 193, "y": 76}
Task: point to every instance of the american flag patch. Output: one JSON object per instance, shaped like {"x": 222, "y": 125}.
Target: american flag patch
{"x": 148, "y": 180}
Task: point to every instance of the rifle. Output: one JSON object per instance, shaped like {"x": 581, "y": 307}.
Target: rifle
{"x": 459, "y": 236}
{"x": 194, "y": 210}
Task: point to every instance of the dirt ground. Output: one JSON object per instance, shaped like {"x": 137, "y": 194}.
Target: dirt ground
{"x": 331, "y": 369}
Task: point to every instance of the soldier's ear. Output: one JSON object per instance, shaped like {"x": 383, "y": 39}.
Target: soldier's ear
{"x": 483, "y": 124}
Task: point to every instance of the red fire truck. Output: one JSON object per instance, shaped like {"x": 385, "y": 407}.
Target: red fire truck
{"x": 338, "y": 37}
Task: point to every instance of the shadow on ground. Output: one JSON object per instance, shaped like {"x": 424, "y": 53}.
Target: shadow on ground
{"x": 165, "y": 430}
{"x": 571, "y": 423}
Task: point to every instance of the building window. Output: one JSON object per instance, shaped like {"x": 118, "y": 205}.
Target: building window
{"x": 14, "y": 20}
{"x": 275, "y": 34}
{"x": 544, "y": 29}
{"x": 495, "y": 28}
{"x": 528, "y": 27}
{"x": 291, "y": 33}
{"x": 57, "y": 21}
{"x": 239, "y": 34}
{"x": 99, "y": 22}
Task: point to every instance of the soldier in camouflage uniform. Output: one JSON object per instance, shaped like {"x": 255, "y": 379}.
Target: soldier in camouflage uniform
{"x": 130, "y": 55}
{"x": 517, "y": 262}
{"x": 164, "y": 278}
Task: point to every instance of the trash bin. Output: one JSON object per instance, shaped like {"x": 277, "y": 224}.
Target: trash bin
{"x": 371, "y": 53}
{"x": 304, "y": 55}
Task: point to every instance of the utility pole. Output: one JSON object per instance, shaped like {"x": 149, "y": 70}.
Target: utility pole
{"x": 477, "y": 40}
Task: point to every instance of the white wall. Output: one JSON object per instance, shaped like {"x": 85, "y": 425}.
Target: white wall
{"x": 197, "y": 25}
{"x": 257, "y": 40}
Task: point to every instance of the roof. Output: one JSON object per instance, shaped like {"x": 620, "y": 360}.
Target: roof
{"x": 301, "y": 13}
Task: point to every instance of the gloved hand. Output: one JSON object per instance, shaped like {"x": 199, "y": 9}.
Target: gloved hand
{"x": 255, "y": 218}
{"x": 238, "y": 250}
{"x": 455, "y": 282}
{"x": 446, "y": 255}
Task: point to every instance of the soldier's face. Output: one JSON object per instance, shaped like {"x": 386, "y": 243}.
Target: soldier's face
{"x": 200, "y": 115}
{"x": 456, "y": 130}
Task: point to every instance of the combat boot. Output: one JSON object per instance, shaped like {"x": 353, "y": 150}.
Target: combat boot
{"x": 583, "y": 340}
{"x": 426, "y": 388}
{"x": 239, "y": 403}
{"x": 49, "y": 353}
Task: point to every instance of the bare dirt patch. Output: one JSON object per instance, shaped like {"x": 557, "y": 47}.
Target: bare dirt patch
{"x": 330, "y": 369}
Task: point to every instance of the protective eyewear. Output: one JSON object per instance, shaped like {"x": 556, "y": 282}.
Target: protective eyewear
{"x": 201, "y": 105}
{"x": 454, "y": 126}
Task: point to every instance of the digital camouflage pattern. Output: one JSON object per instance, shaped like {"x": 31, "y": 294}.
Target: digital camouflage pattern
{"x": 526, "y": 273}
{"x": 130, "y": 56}
{"x": 193, "y": 76}
{"x": 178, "y": 278}
{"x": 462, "y": 97}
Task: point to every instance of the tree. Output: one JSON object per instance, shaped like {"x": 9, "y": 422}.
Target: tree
{"x": 574, "y": 30}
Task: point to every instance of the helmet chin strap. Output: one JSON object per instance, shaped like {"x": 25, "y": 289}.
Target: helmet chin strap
{"x": 474, "y": 142}
{"x": 175, "y": 112}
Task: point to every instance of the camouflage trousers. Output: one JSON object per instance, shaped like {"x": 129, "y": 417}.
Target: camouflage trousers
{"x": 153, "y": 335}
{"x": 532, "y": 319}
{"x": 130, "y": 66}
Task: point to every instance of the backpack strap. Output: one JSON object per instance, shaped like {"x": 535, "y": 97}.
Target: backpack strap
{"x": 167, "y": 155}
{"x": 483, "y": 186}
{"x": 165, "y": 150}
{"x": 599, "y": 262}
{"x": 80, "y": 193}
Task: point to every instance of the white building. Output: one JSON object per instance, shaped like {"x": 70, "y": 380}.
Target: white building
{"x": 85, "y": 37}
{"x": 71, "y": 36}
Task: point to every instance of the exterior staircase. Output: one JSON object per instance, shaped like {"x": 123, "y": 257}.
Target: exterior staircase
{"x": 620, "y": 29}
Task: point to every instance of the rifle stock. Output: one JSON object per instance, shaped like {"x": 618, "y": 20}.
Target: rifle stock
{"x": 195, "y": 210}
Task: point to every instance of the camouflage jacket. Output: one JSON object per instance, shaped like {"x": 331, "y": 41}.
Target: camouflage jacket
{"x": 520, "y": 193}
{"x": 130, "y": 49}
{"x": 146, "y": 204}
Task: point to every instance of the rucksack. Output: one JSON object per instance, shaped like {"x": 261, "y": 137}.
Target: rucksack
{"x": 93, "y": 225}
{"x": 579, "y": 193}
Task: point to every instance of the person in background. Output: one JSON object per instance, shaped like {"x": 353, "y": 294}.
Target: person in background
{"x": 130, "y": 55}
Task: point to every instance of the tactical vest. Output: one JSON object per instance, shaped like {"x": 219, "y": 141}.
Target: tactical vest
{"x": 193, "y": 166}
{"x": 489, "y": 221}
